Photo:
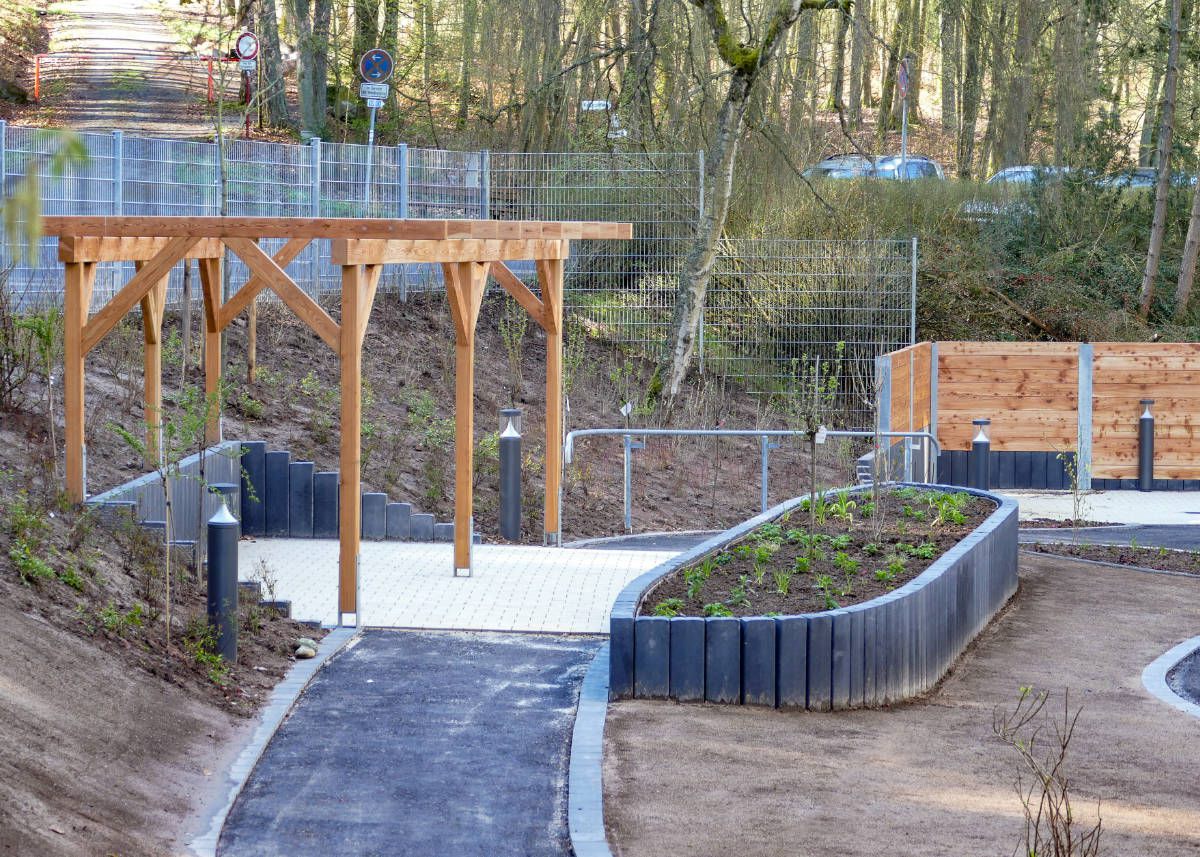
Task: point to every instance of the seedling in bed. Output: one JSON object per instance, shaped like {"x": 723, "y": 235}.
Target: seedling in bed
{"x": 760, "y": 572}
{"x": 743, "y": 551}
{"x": 844, "y": 564}
{"x": 843, "y": 507}
{"x": 737, "y": 595}
{"x": 873, "y": 549}
{"x": 668, "y": 607}
{"x": 763, "y": 553}
{"x": 825, "y": 584}
{"x": 768, "y": 533}
{"x": 909, "y": 512}
{"x": 885, "y": 575}
{"x": 716, "y": 608}
{"x": 867, "y": 509}
{"x": 841, "y": 542}
{"x": 802, "y": 565}
{"x": 723, "y": 558}
{"x": 783, "y": 582}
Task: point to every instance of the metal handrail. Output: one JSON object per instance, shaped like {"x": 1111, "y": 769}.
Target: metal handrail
{"x": 766, "y": 444}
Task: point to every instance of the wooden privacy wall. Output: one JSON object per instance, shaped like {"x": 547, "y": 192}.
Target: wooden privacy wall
{"x": 1031, "y": 393}
{"x": 1125, "y": 373}
{"x": 1029, "y": 390}
{"x": 911, "y": 408}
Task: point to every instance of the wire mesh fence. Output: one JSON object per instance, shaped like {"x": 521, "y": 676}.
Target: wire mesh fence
{"x": 772, "y": 305}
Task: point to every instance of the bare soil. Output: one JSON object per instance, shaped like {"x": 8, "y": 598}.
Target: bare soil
{"x": 1063, "y": 524}
{"x": 782, "y": 569}
{"x": 930, "y": 777}
{"x": 1162, "y": 559}
{"x": 110, "y": 737}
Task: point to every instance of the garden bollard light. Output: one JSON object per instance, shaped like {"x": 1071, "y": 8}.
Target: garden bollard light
{"x": 1146, "y": 447}
{"x": 223, "y": 582}
{"x": 977, "y": 464}
{"x": 510, "y": 476}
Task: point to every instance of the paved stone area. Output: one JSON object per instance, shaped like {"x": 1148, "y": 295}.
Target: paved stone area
{"x": 1173, "y": 536}
{"x": 1117, "y": 507}
{"x": 422, "y": 743}
{"x": 409, "y": 585}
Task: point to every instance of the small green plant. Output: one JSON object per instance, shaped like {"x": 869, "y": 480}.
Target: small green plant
{"x": 948, "y": 508}
{"x": 696, "y": 576}
{"x": 70, "y": 576}
{"x": 724, "y": 558}
{"x": 763, "y": 553}
{"x": 907, "y": 493}
{"x": 802, "y": 565}
{"x": 873, "y": 549}
{"x": 885, "y": 575}
{"x": 866, "y": 509}
{"x": 668, "y": 607}
{"x": 201, "y": 644}
{"x": 716, "y": 608}
{"x": 737, "y": 595}
{"x": 896, "y": 565}
{"x": 817, "y": 507}
{"x": 841, "y": 542}
{"x": 844, "y": 563}
{"x": 783, "y": 582}
{"x": 911, "y": 512}
{"x": 31, "y": 568}
{"x": 116, "y": 622}
{"x": 825, "y": 585}
{"x": 843, "y": 508}
{"x": 743, "y": 551}
{"x": 250, "y": 407}
{"x": 768, "y": 533}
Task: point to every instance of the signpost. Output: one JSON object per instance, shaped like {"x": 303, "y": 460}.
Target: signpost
{"x": 375, "y": 67}
{"x": 246, "y": 48}
{"x": 902, "y": 86}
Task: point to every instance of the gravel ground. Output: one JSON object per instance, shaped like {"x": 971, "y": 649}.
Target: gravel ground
{"x": 930, "y": 777}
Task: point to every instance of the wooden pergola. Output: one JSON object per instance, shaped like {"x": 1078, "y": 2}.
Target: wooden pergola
{"x": 467, "y": 250}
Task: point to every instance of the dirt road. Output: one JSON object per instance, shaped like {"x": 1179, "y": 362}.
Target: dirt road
{"x": 119, "y": 66}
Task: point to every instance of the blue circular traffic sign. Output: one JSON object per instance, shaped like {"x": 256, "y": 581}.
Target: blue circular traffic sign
{"x": 376, "y": 65}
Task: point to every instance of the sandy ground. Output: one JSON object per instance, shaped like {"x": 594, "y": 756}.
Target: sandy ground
{"x": 123, "y": 773}
{"x": 930, "y": 778}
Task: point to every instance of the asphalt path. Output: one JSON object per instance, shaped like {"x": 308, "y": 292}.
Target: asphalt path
{"x": 421, "y": 743}
{"x": 1172, "y": 536}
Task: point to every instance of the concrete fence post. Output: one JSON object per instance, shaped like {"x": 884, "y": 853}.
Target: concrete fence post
{"x": 223, "y": 582}
{"x": 1083, "y": 445}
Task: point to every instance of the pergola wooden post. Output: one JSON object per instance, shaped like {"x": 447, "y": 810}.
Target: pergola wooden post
{"x": 467, "y": 250}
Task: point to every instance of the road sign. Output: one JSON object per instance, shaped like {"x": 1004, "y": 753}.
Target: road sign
{"x": 377, "y": 91}
{"x": 374, "y": 103}
{"x": 376, "y": 65}
{"x": 246, "y": 46}
{"x": 247, "y": 65}
{"x": 902, "y": 78}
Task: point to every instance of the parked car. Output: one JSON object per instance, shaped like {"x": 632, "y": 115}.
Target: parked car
{"x": 1008, "y": 182}
{"x": 1143, "y": 177}
{"x": 855, "y": 166}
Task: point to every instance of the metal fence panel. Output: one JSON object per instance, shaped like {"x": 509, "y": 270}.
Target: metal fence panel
{"x": 772, "y": 305}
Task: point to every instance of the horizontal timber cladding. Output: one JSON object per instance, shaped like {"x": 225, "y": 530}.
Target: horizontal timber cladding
{"x": 881, "y": 651}
{"x": 1030, "y": 392}
{"x": 1125, "y": 374}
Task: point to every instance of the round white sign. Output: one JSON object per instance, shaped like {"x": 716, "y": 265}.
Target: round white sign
{"x": 246, "y": 46}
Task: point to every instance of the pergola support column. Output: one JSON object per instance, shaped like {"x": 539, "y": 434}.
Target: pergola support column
{"x": 465, "y": 282}
{"x": 210, "y": 283}
{"x": 153, "y": 304}
{"x": 80, "y": 276}
{"x": 550, "y": 277}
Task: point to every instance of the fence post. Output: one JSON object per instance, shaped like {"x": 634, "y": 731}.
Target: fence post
{"x": 314, "y": 144}
{"x": 403, "y": 155}
{"x": 3, "y": 185}
{"x": 767, "y": 445}
{"x": 912, "y": 297}
{"x": 485, "y": 185}
{"x": 1083, "y": 444}
{"x": 700, "y": 177}
{"x": 118, "y": 173}
{"x": 931, "y": 462}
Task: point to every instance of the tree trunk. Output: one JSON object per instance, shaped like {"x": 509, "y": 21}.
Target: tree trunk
{"x": 366, "y": 27}
{"x": 973, "y": 34}
{"x": 298, "y": 12}
{"x": 860, "y": 52}
{"x": 1187, "y": 268}
{"x": 999, "y": 71}
{"x": 1158, "y": 225}
{"x": 470, "y": 14}
{"x": 1012, "y": 137}
{"x": 1149, "y": 118}
{"x": 697, "y": 268}
{"x": 836, "y": 86}
{"x": 322, "y": 13}
{"x": 274, "y": 92}
{"x": 917, "y": 49}
{"x": 899, "y": 44}
{"x": 951, "y": 60}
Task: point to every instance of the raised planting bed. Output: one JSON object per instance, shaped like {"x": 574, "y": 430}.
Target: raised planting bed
{"x": 870, "y": 608}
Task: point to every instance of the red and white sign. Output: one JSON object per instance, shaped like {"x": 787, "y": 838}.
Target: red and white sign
{"x": 246, "y": 46}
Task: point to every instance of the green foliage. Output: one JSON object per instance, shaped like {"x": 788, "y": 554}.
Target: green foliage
{"x": 430, "y": 430}
{"x": 116, "y": 622}
{"x": 201, "y": 644}
{"x": 22, "y": 203}
{"x": 783, "y": 581}
{"x": 668, "y": 607}
{"x": 843, "y": 507}
{"x": 513, "y": 322}
{"x": 949, "y": 508}
{"x": 825, "y": 584}
{"x": 716, "y": 608}
{"x": 738, "y": 595}
{"x": 31, "y": 568}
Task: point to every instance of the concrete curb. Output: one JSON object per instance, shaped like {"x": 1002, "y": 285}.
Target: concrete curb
{"x": 283, "y": 699}
{"x": 1154, "y": 677}
{"x": 820, "y": 661}
{"x": 585, "y": 787}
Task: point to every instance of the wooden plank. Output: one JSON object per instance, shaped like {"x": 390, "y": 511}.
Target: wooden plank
{"x": 1163, "y": 446}
{"x": 1016, "y": 379}
{"x": 297, "y": 300}
{"x": 951, "y": 348}
{"x": 1029, "y": 418}
{"x": 1005, "y": 363}
{"x": 78, "y": 292}
{"x": 133, "y": 292}
{"x": 210, "y": 283}
{"x": 330, "y": 227}
{"x": 369, "y": 252}
{"x": 1106, "y": 350}
{"x": 349, "y": 348}
{"x": 1166, "y": 390}
{"x": 243, "y": 297}
{"x": 367, "y": 299}
{"x": 78, "y": 248}
{"x": 153, "y": 304}
{"x": 1146, "y": 363}
{"x": 1149, "y": 376}
{"x": 1130, "y": 471}
{"x": 972, "y": 398}
{"x": 550, "y": 278}
{"x": 520, "y": 292}
{"x": 1183, "y": 430}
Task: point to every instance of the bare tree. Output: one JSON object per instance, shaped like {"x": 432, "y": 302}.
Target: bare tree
{"x": 273, "y": 95}
{"x": 1187, "y": 267}
{"x": 1158, "y": 226}
{"x": 746, "y": 58}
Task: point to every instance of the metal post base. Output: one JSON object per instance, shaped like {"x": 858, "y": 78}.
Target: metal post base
{"x": 347, "y": 620}
{"x": 462, "y": 572}
{"x": 552, "y": 540}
